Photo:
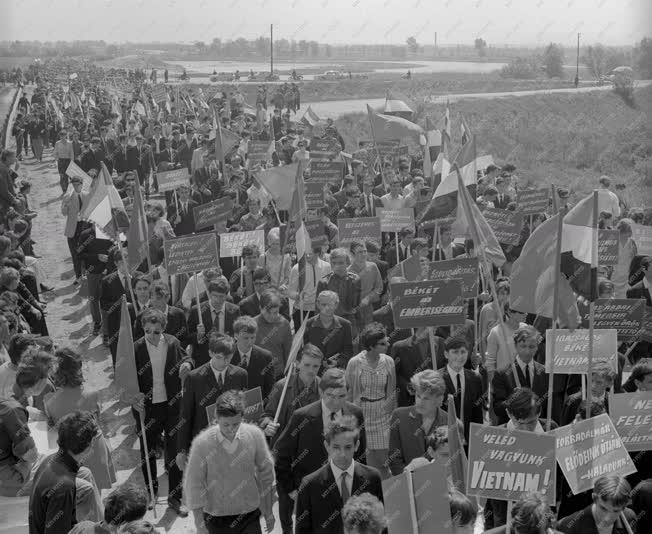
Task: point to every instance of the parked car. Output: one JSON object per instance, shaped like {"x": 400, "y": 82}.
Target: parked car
{"x": 331, "y": 75}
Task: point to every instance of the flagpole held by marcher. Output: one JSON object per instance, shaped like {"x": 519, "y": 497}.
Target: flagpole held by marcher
{"x": 594, "y": 264}
{"x": 199, "y": 318}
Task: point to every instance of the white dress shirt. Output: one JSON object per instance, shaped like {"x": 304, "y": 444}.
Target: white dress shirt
{"x": 157, "y": 356}
{"x": 453, "y": 374}
{"x": 245, "y": 356}
{"x": 337, "y": 473}
{"x": 530, "y": 367}
{"x": 229, "y": 446}
{"x": 217, "y": 374}
{"x": 214, "y": 312}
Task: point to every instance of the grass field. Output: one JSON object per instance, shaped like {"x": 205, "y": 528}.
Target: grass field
{"x": 565, "y": 139}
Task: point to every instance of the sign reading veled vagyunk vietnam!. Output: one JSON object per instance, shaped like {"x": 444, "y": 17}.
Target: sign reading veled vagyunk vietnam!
{"x": 632, "y": 415}
{"x": 190, "y": 254}
{"x": 325, "y": 171}
{"x": 395, "y": 220}
{"x": 231, "y": 243}
{"x": 589, "y": 449}
{"x": 623, "y": 315}
{"x": 506, "y": 224}
{"x": 212, "y": 212}
{"x": 361, "y": 229}
{"x": 466, "y": 269}
{"x": 504, "y": 464}
{"x": 533, "y": 201}
{"x": 608, "y": 247}
{"x": 572, "y": 349}
{"x": 429, "y": 303}
{"x": 171, "y": 180}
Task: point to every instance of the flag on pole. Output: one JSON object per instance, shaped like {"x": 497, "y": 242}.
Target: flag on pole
{"x": 104, "y": 207}
{"x": 442, "y": 165}
{"x": 310, "y": 118}
{"x": 466, "y": 161}
{"x": 410, "y": 266}
{"x": 471, "y": 221}
{"x": 466, "y": 133}
{"x": 394, "y": 105}
{"x": 433, "y": 139}
{"x": 579, "y": 249}
{"x": 458, "y": 462}
{"x": 280, "y": 182}
{"x": 447, "y": 120}
{"x": 126, "y": 374}
{"x": 137, "y": 240}
{"x": 533, "y": 278}
{"x": 388, "y": 127}
{"x": 225, "y": 140}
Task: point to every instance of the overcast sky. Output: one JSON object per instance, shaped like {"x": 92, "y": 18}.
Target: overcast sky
{"x": 334, "y": 21}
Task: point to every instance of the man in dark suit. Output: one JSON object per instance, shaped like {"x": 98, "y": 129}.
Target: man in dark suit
{"x": 446, "y": 249}
{"x": 523, "y": 372}
{"x": 324, "y": 492}
{"x": 611, "y": 493}
{"x": 107, "y": 145}
{"x": 202, "y": 388}
{"x": 642, "y": 289}
{"x": 146, "y": 162}
{"x": 255, "y": 360}
{"x": 187, "y": 145}
{"x": 463, "y": 384}
{"x": 251, "y": 305}
{"x": 300, "y": 449}
{"x": 181, "y": 213}
{"x": 125, "y": 156}
{"x": 161, "y": 366}
{"x": 412, "y": 355}
{"x": 176, "y": 324}
{"x": 158, "y": 144}
{"x": 406, "y": 235}
{"x": 368, "y": 201}
{"x": 94, "y": 157}
{"x": 216, "y": 313}
{"x": 373, "y": 252}
{"x": 503, "y": 199}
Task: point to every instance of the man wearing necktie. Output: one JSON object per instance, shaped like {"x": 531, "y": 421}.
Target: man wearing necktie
{"x": 371, "y": 201}
{"x": 242, "y": 280}
{"x": 71, "y": 207}
{"x": 253, "y": 359}
{"x": 324, "y": 492}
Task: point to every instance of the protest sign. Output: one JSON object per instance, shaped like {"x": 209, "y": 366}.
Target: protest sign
{"x": 428, "y": 303}
{"x": 409, "y": 268}
{"x": 645, "y": 333}
{"x": 466, "y": 269}
{"x": 362, "y": 229}
{"x": 608, "y": 246}
{"x": 632, "y": 415}
{"x": 624, "y": 315}
{"x": 506, "y": 224}
{"x": 190, "y": 254}
{"x": 314, "y": 194}
{"x": 317, "y": 232}
{"x": 329, "y": 172}
{"x": 324, "y": 148}
{"x": 533, "y": 201}
{"x": 159, "y": 94}
{"x": 231, "y": 243}
{"x": 572, "y": 350}
{"x": 642, "y": 236}
{"x": 258, "y": 151}
{"x": 430, "y": 499}
{"x": 395, "y": 220}
{"x": 212, "y": 213}
{"x": 171, "y": 180}
{"x": 253, "y": 407}
{"x": 504, "y": 463}
{"x": 589, "y": 449}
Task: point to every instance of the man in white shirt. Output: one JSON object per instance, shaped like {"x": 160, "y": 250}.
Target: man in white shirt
{"x": 304, "y": 296}
{"x": 394, "y": 200}
{"x": 607, "y": 199}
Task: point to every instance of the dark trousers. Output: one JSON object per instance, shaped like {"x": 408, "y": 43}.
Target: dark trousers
{"x": 234, "y": 524}
{"x": 62, "y": 165}
{"x": 285, "y": 510}
{"x": 296, "y": 317}
{"x": 19, "y": 144}
{"x": 158, "y": 420}
{"x": 76, "y": 263}
{"x": 94, "y": 288}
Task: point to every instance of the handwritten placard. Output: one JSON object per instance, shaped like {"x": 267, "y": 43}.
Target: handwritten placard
{"x": 190, "y": 254}
{"x": 533, "y": 201}
{"x": 212, "y": 213}
{"x": 231, "y": 243}
{"x": 361, "y": 229}
{"x": 171, "y": 180}
{"x": 506, "y": 224}
{"x": 608, "y": 245}
{"x": 395, "y": 220}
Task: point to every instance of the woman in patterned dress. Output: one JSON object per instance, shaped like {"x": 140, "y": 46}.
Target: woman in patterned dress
{"x": 371, "y": 384}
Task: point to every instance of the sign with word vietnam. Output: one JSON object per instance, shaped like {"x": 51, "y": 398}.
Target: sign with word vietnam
{"x": 360, "y": 229}
{"x": 466, "y": 269}
{"x": 608, "y": 245}
{"x": 231, "y": 243}
{"x": 632, "y": 415}
{"x": 533, "y": 201}
{"x": 572, "y": 349}
{"x": 503, "y": 464}
{"x": 429, "y": 303}
{"x": 506, "y": 224}
{"x": 589, "y": 449}
{"x": 212, "y": 213}
{"x": 190, "y": 254}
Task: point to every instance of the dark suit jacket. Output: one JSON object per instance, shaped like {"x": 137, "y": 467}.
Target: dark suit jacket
{"x": 411, "y": 356}
{"x": 251, "y": 306}
{"x": 162, "y": 145}
{"x": 176, "y": 325}
{"x": 639, "y": 291}
{"x": 473, "y": 400}
{"x": 300, "y": 449}
{"x": 338, "y": 340}
{"x": 457, "y": 249}
{"x": 582, "y": 522}
{"x": 390, "y": 255}
{"x": 260, "y": 371}
{"x": 572, "y": 407}
{"x": 125, "y": 160}
{"x": 504, "y": 384}
{"x": 200, "y": 346}
{"x": 187, "y": 224}
{"x": 319, "y": 503}
{"x": 175, "y": 357}
{"x": 199, "y": 391}
{"x": 385, "y": 316}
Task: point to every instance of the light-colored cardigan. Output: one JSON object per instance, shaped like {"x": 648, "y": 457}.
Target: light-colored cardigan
{"x": 354, "y": 386}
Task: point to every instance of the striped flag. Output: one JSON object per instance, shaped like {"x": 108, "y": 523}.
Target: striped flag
{"x": 466, "y": 133}
{"x": 137, "y": 239}
{"x": 310, "y": 118}
{"x": 442, "y": 165}
{"x": 280, "y": 183}
{"x": 388, "y": 127}
{"x": 126, "y": 374}
{"x": 447, "y": 120}
{"x": 104, "y": 207}
{"x": 457, "y": 461}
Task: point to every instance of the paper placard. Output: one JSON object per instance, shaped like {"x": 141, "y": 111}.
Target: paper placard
{"x": 360, "y": 229}
{"x": 231, "y": 243}
{"x": 642, "y": 236}
{"x": 623, "y": 315}
{"x": 253, "y": 407}
{"x": 506, "y": 225}
{"x": 572, "y": 349}
{"x": 314, "y": 194}
{"x": 632, "y": 416}
{"x": 258, "y": 151}
{"x": 428, "y": 303}
{"x": 395, "y": 220}
{"x": 329, "y": 172}
{"x": 171, "y": 180}
{"x": 326, "y": 149}
{"x": 608, "y": 247}
{"x": 212, "y": 213}
{"x": 466, "y": 269}
{"x": 533, "y": 201}
{"x": 190, "y": 254}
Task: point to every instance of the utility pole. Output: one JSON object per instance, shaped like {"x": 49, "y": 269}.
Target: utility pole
{"x": 271, "y": 49}
{"x": 577, "y": 68}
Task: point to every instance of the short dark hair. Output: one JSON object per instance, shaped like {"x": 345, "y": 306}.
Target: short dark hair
{"x": 140, "y": 277}
{"x": 463, "y": 509}
{"x": 246, "y": 324}
{"x": 261, "y": 274}
{"x": 332, "y": 378}
{"x": 140, "y": 526}
{"x": 77, "y": 431}
{"x": 641, "y": 370}
{"x": 18, "y": 344}
{"x": 341, "y": 424}
{"x": 270, "y": 298}
{"x": 522, "y": 403}
{"x": 372, "y": 334}
{"x": 310, "y": 350}
{"x": 34, "y": 366}
{"x": 220, "y": 343}
{"x": 152, "y": 315}
{"x": 364, "y": 514}
{"x": 530, "y": 513}
{"x": 229, "y": 404}
{"x": 218, "y": 286}
{"x": 612, "y": 488}
{"x": 160, "y": 289}
{"x": 127, "y": 502}
{"x": 355, "y": 244}
{"x": 250, "y": 250}
{"x": 69, "y": 368}
{"x": 455, "y": 342}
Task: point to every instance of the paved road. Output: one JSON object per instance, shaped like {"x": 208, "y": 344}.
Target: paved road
{"x": 335, "y": 108}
